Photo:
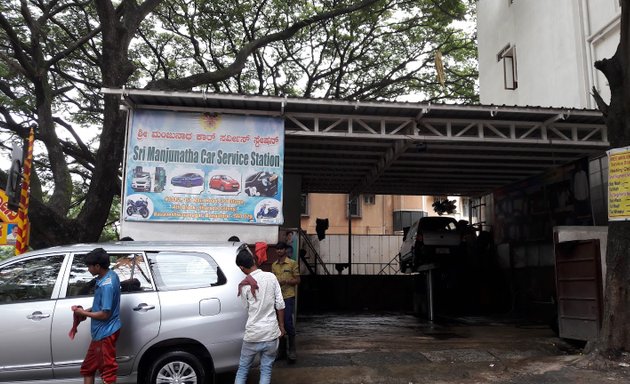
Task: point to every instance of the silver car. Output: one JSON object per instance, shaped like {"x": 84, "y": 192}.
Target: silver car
{"x": 141, "y": 182}
{"x": 182, "y": 320}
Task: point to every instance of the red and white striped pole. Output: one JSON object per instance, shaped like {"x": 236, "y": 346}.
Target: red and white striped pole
{"x": 21, "y": 242}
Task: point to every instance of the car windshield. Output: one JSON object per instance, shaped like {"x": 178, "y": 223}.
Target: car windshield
{"x": 437, "y": 224}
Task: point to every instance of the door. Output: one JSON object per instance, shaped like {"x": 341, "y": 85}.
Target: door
{"x": 579, "y": 289}
{"x": 26, "y": 307}
{"x": 139, "y": 312}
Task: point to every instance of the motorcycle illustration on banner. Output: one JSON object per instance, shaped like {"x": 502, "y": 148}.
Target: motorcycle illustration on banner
{"x": 138, "y": 205}
{"x": 267, "y": 210}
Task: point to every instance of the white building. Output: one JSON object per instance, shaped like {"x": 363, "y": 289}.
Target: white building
{"x": 541, "y": 52}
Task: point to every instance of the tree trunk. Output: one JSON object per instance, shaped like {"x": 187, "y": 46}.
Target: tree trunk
{"x": 614, "y": 334}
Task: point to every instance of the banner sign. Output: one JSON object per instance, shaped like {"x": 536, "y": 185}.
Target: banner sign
{"x": 619, "y": 184}
{"x": 9, "y": 221}
{"x": 204, "y": 167}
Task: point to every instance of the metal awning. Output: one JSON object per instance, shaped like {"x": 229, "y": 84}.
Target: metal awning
{"x": 405, "y": 148}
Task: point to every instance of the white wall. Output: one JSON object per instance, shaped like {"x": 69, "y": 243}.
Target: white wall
{"x": 372, "y": 252}
{"x": 556, "y": 44}
{"x": 166, "y": 231}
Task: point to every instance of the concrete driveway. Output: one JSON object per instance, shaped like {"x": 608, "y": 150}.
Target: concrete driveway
{"x": 398, "y": 348}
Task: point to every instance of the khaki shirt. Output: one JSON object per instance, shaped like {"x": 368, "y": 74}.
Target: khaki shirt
{"x": 287, "y": 270}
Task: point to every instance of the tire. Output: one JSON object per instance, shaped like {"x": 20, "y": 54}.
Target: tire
{"x": 129, "y": 211}
{"x": 222, "y": 188}
{"x": 177, "y": 367}
{"x": 144, "y": 212}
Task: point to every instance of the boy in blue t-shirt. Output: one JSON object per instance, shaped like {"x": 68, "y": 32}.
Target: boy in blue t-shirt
{"x": 105, "y": 315}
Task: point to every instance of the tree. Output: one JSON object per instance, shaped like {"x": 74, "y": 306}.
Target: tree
{"x": 382, "y": 52}
{"x": 614, "y": 336}
{"x": 443, "y": 206}
{"x": 56, "y": 55}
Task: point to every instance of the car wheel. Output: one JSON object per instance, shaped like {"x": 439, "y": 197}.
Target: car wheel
{"x": 222, "y": 189}
{"x": 177, "y": 367}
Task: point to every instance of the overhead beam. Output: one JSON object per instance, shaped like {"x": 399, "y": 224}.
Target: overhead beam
{"x": 450, "y": 129}
{"x": 391, "y": 155}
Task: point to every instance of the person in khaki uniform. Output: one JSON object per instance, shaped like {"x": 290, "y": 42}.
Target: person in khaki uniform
{"x": 288, "y": 274}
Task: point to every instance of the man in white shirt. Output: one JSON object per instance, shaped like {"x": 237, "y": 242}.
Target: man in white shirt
{"x": 261, "y": 295}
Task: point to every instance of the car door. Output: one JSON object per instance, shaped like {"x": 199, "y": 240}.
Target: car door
{"x": 27, "y": 291}
{"x": 139, "y": 312}
{"x": 198, "y": 304}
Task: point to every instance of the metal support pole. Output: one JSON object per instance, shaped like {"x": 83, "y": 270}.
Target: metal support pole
{"x": 349, "y": 238}
{"x": 430, "y": 292}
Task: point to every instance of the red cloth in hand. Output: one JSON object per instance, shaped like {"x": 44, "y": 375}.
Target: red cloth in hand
{"x": 248, "y": 280}
{"x": 76, "y": 320}
{"x": 261, "y": 252}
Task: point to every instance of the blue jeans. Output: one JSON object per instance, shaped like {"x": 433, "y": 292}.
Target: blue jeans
{"x": 267, "y": 350}
{"x": 289, "y": 308}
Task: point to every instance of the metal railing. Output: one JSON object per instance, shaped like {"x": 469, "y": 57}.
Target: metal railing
{"x": 310, "y": 249}
{"x": 363, "y": 268}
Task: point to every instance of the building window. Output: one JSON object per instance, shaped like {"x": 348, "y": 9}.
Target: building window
{"x": 369, "y": 199}
{"x": 405, "y": 219}
{"x": 508, "y": 56}
{"x": 354, "y": 207}
{"x": 304, "y": 204}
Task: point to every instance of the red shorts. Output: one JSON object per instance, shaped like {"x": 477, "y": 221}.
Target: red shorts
{"x": 101, "y": 356}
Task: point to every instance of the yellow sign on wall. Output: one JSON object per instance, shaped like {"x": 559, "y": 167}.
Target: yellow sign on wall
{"x": 619, "y": 184}
{"x": 9, "y": 224}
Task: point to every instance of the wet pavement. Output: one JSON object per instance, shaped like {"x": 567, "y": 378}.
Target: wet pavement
{"x": 399, "y": 348}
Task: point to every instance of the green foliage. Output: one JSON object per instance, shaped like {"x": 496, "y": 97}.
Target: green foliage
{"x": 384, "y": 52}
{"x": 445, "y": 206}
{"x": 6, "y": 251}
{"x": 54, "y": 56}
{"x": 110, "y": 231}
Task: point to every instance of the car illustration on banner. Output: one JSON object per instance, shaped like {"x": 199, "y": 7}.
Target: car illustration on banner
{"x": 224, "y": 183}
{"x": 262, "y": 184}
{"x": 187, "y": 180}
{"x": 141, "y": 180}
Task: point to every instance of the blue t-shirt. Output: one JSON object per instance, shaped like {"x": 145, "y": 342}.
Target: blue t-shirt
{"x": 106, "y": 298}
